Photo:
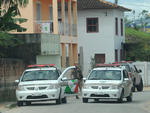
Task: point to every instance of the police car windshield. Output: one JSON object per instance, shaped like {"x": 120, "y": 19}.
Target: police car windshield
{"x": 40, "y": 75}
{"x": 105, "y": 75}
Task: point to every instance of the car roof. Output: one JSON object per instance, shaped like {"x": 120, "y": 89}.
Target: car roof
{"x": 108, "y": 68}
{"x": 42, "y": 68}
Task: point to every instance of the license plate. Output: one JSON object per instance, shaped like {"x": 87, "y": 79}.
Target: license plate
{"x": 100, "y": 93}
{"x": 36, "y": 94}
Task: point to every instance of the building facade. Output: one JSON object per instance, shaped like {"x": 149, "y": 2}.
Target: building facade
{"x": 101, "y": 33}
{"x": 56, "y": 22}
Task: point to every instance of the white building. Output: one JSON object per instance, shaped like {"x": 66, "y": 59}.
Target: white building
{"x": 101, "y": 32}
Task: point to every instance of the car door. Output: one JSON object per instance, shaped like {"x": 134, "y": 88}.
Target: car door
{"x": 69, "y": 80}
{"x": 137, "y": 75}
{"x": 126, "y": 83}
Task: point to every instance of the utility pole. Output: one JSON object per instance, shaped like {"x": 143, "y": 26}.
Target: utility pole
{"x": 116, "y": 1}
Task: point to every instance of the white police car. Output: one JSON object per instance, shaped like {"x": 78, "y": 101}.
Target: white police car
{"x": 42, "y": 83}
{"x": 107, "y": 81}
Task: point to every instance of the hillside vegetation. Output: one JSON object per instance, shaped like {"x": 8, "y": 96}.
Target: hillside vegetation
{"x": 137, "y": 45}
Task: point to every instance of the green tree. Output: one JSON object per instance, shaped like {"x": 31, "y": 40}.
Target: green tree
{"x": 10, "y": 19}
{"x": 9, "y": 10}
{"x": 143, "y": 16}
{"x": 137, "y": 45}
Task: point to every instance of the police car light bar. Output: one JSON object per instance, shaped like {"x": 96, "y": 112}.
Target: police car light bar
{"x": 108, "y": 65}
{"x": 41, "y": 65}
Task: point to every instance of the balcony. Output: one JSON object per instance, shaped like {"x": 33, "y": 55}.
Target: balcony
{"x": 63, "y": 28}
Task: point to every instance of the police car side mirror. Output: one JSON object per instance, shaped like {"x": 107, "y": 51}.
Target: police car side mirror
{"x": 64, "y": 79}
{"x": 84, "y": 79}
{"x": 139, "y": 71}
{"x": 17, "y": 81}
{"x": 126, "y": 79}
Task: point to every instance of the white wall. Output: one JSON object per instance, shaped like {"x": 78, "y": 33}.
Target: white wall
{"x": 103, "y": 42}
{"x": 144, "y": 66}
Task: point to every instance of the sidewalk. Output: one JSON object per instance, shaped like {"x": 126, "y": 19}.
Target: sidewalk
{"x": 6, "y": 106}
{"x": 146, "y": 88}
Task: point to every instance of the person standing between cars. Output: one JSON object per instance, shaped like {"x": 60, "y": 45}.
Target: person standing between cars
{"x": 79, "y": 77}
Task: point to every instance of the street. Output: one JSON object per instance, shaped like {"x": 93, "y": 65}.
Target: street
{"x": 140, "y": 104}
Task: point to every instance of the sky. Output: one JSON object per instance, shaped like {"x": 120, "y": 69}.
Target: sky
{"x": 137, "y": 5}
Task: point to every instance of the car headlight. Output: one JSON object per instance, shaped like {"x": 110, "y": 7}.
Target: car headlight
{"x": 53, "y": 87}
{"x": 20, "y": 88}
{"x": 115, "y": 87}
{"x": 86, "y": 87}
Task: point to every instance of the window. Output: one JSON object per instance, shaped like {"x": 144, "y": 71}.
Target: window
{"x": 92, "y": 25}
{"x": 116, "y": 25}
{"x": 121, "y": 24}
{"x": 121, "y": 54}
{"x": 125, "y": 74}
{"x": 105, "y": 75}
{"x": 116, "y": 55}
{"x": 38, "y": 11}
{"x": 51, "y": 13}
{"x": 40, "y": 75}
{"x": 99, "y": 58}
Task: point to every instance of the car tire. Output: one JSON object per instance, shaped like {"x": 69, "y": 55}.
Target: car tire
{"x": 20, "y": 103}
{"x": 129, "y": 98}
{"x": 133, "y": 88}
{"x": 120, "y": 100}
{"x": 59, "y": 100}
{"x": 64, "y": 100}
{"x": 140, "y": 86}
{"x": 85, "y": 100}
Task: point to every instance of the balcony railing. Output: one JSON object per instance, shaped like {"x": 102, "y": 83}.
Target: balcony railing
{"x": 63, "y": 28}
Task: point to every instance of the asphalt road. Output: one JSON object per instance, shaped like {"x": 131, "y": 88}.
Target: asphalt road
{"x": 140, "y": 104}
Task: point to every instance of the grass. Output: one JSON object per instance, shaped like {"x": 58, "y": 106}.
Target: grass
{"x": 130, "y": 32}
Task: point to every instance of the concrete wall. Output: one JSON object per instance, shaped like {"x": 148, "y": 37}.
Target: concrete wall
{"x": 103, "y": 42}
{"x": 145, "y": 67}
{"x": 10, "y": 70}
{"x": 49, "y": 59}
{"x": 50, "y": 50}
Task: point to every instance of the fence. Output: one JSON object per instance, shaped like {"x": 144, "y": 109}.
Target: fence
{"x": 63, "y": 28}
{"x": 10, "y": 70}
{"x": 145, "y": 67}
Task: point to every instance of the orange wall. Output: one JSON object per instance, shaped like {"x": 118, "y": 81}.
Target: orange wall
{"x": 44, "y": 8}
{"x": 27, "y": 13}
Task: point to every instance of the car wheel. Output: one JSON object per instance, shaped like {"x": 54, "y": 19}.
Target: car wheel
{"x": 133, "y": 88}
{"x": 19, "y": 103}
{"x": 140, "y": 86}
{"x": 129, "y": 98}
{"x": 64, "y": 100}
{"x": 59, "y": 100}
{"x": 120, "y": 100}
{"x": 85, "y": 100}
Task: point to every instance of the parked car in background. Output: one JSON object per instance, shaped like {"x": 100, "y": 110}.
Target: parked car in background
{"x": 45, "y": 83}
{"x": 108, "y": 81}
{"x": 134, "y": 74}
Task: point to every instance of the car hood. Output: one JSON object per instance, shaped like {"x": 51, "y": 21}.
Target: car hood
{"x": 41, "y": 82}
{"x": 103, "y": 82}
